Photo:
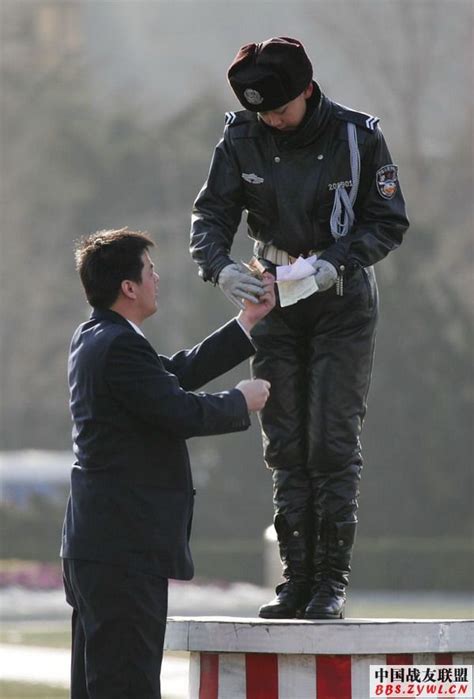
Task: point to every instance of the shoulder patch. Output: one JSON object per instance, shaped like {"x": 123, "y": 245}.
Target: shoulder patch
{"x": 386, "y": 178}
{"x": 366, "y": 121}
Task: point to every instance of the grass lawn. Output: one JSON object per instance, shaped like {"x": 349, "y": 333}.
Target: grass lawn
{"x": 48, "y": 636}
{"x": 24, "y": 690}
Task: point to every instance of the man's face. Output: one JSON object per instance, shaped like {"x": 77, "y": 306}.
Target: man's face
{"x": 290, "y": 115}
{"x": 147, "y": 290}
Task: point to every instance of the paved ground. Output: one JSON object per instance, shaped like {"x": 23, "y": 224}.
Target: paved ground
{"x": 51, "y": 666}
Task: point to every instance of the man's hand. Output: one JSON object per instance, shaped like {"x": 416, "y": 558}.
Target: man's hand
{"x": 255, "y": 311}
{"x": 325, "y": 274}
{"x": 237, "y": 284}
{"x": 256, "y": 392}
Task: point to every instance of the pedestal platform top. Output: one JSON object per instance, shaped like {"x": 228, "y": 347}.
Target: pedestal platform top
{"x": 349, "y": 636}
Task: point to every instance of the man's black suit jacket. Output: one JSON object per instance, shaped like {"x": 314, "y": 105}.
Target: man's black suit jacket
{"x": 131, "y": 499}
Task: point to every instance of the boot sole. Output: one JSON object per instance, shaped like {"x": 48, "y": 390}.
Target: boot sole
{"x": 298, "y": 614}
{"x": 267, "y": 615}
{"x": 323, "y": 616}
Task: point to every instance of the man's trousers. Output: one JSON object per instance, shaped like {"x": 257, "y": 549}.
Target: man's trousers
{"x": 118, "y": 628}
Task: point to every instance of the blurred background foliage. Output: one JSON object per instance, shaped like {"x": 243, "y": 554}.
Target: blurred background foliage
{"x": 110, "y": 111}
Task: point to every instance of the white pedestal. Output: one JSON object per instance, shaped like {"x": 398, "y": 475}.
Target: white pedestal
{"x": 234, "y": 658}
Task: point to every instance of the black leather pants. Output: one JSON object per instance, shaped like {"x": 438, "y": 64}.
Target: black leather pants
{"x": 317, "y": 355}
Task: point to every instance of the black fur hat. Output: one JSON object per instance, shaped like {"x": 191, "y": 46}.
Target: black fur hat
{"x": 266, "y": 76}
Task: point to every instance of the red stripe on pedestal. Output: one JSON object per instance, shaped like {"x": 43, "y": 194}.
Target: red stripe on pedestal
{"x": 400, "y": 659}
{"x": 333, "y": 677}
{"x": 444, "y": 658}
{"x": 209, "y": 676}
{"x": 261, "y": 670}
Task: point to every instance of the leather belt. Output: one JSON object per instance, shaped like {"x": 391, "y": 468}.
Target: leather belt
{"x": 280, "y": 257}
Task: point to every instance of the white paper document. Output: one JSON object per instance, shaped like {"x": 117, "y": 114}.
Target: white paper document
{"x": 296, "y": 281}
{"x": 302, "y": 267}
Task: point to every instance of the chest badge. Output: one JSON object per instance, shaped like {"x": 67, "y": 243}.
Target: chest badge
{"x": 386, "y": 178}
{"x": 252, "y": 178}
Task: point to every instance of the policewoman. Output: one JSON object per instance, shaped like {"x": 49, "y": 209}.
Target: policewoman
{"x": 315, "y": 180}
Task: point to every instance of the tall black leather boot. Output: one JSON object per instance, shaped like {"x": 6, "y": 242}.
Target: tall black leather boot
{"x": 293, "y": 594}
{"x": 332, "y": 557}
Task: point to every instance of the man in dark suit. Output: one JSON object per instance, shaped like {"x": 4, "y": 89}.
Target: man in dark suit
{"x": 129, "y": 513}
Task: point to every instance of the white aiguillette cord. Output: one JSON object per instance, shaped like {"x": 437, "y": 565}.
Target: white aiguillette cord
{"x": 342, "y": 215}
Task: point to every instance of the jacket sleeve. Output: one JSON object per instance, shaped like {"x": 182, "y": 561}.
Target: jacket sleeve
{"x": 380, "y": 223}
{"x": 140, "y": 384}
{"x": 217, "y": 212}
{"x": 223, "y": 350}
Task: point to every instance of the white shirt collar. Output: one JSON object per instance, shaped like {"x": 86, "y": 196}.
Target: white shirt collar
{"x": 136, "y": 328}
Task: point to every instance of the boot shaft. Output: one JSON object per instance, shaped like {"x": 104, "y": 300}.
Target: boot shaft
{"x": 295, "y": 547}
{"x": 332, "y": 552}
{"x": 331, "y": 558}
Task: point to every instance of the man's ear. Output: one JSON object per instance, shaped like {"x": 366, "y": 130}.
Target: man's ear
{"x": 128, "y": 289}
{"x": 309, "y": 91}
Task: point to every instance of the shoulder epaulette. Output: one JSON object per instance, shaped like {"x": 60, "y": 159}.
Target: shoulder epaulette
{"x": 366, "y": 121}
{"x": 241, "y": 117}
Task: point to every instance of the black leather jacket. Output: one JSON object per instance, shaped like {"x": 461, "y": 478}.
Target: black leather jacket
{"x": 286, "y": 183}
